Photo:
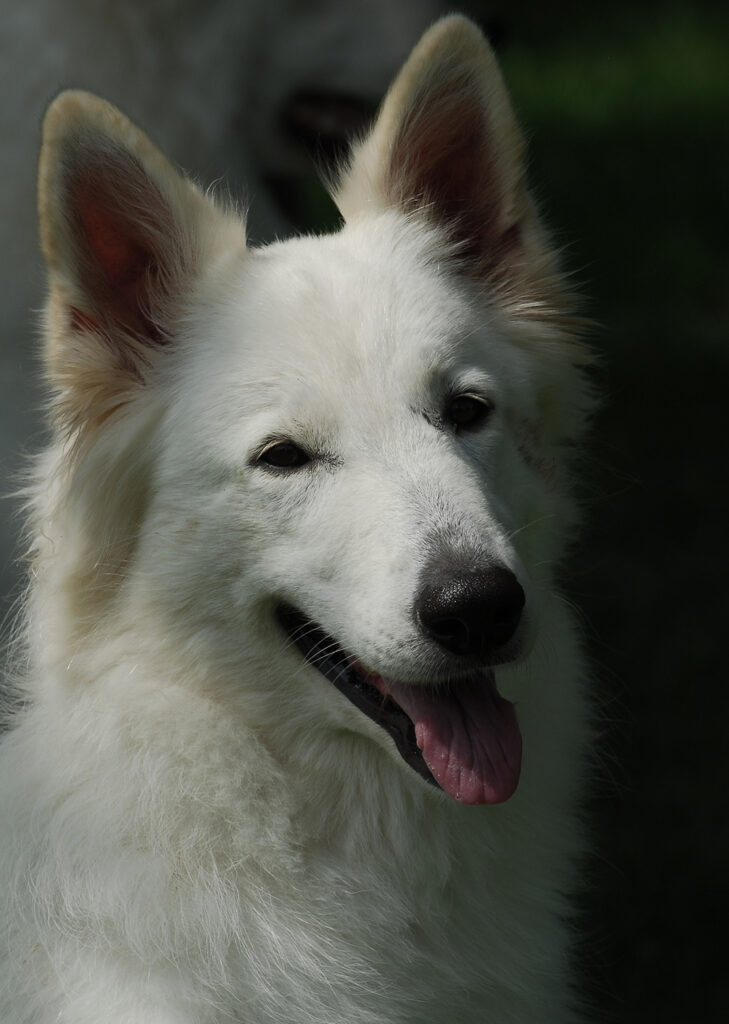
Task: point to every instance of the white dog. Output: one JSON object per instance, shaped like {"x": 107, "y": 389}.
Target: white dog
{"x": 232, "y": 88}
{"x": 293, "y": 614}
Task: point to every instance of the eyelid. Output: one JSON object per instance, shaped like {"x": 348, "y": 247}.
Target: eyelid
{"x": 272, "y": 443}
{"x": 481, "y": 395}
{"x": 294, "y": 449}
{"x": 483, "y": 399}
{"x": 475, "y": 384}
{"x": 257, "y": 454}
{"x": 469, "y": 418}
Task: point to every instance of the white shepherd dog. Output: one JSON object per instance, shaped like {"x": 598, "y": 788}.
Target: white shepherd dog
{"x": 300, "y": 501}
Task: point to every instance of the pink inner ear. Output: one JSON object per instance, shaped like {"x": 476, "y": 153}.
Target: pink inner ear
{"x": 121, "y": 258}
{"x": 445, "y": 161}
{"x": 121, "y": 225}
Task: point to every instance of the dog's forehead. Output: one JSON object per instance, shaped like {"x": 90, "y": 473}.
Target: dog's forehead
{"x": 344, "y": 329}
{"x": 372, "y": 294}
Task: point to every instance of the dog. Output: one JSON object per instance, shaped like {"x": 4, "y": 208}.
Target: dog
{"x": 305, "y": 717}
{"x": 243, "y": 89}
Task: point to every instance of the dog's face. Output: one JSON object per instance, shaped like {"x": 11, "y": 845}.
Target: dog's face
{"x": 353, "y": 422}
{"x": 348, "y": 446}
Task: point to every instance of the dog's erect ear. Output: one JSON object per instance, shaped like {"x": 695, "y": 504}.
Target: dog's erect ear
{"x": 124, "y": 236}
{"x": 446, "y": 144}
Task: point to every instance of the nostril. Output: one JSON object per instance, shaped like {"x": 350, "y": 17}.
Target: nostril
{"x": 451, "y": 633}
{"x": 502, "y": 628}
{"x": 471, "y": 613}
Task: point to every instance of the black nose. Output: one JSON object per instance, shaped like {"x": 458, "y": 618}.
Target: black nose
{"x": 471, "y": 613}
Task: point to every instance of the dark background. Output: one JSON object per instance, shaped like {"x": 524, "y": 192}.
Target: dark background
{"x": 627, "y": 111}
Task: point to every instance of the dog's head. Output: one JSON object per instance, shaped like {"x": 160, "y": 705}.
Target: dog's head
{"x": 334, "y": 460}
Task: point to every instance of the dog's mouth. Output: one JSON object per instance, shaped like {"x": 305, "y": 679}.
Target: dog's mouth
{"x": 463, "y": 737}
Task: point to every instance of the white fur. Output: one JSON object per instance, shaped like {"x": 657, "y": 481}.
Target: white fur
{"x": 197, "y": 828}
{"x": 210, "y": 80}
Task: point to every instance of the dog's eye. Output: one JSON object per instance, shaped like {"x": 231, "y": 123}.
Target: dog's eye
{"x": 467, "y": 412}
{"x": 284, "y": 455}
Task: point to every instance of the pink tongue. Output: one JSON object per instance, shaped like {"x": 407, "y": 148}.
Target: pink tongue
{"x": 469, "y": 738}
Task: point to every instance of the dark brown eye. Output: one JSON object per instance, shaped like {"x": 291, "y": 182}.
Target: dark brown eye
{"x": 284, "y": 455}
{"x": 467, "y": 412}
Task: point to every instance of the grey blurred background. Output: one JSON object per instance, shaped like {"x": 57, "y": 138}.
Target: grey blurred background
{"x": 626, "y": 108}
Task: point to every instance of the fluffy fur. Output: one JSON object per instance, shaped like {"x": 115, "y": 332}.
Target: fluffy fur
{"x": 198, "y": 828}
{"x": 218, "y": 84}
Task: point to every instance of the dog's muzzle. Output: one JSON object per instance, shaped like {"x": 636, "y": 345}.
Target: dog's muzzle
{"x": 460, "y": 735}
